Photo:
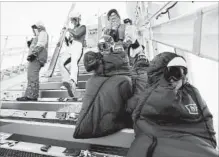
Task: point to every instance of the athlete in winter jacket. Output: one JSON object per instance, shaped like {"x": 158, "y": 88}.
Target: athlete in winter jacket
{"x": 172, "y": 119}
{"x": 73, "y": 53}
{"x": 107, "y": 91}
{"x": 37, "y": 57}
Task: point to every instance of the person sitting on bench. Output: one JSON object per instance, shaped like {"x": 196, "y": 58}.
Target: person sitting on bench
{"x": 107, "y": 91}
{"x": 172, "y": 119}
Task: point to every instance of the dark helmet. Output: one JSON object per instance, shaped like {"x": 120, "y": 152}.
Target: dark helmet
{"x": 112, "y": 11}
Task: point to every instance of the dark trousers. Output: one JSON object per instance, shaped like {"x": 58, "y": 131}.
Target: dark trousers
{"x": 32, "y": 90}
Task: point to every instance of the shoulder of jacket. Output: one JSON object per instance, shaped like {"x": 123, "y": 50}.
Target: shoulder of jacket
{"x": 123, "y": 78}
{"x": 82, "y": 26}
{"x": 43, "y": 33}
{"x": 122, "y": 25}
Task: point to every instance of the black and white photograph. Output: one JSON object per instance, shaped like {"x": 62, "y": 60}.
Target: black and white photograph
{"x": 109, "y": 78}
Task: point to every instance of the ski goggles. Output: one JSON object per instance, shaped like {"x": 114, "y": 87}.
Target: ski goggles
{"x": 175, "y": 73}
{"x": 104, "y": 46}
{"x": 118, "y": 48}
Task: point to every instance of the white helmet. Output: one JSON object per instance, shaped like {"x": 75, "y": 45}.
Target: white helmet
{"x": 40, "y": 24}
{"x": 177, "y": 61}
{"x": 75, "y": 15}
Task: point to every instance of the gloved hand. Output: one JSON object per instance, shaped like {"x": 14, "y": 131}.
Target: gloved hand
{"x": 31, "y": 57}
{"x": 66, "y": 41}
{"x": 29, "y": 43}
{"x": 58, "y": 44}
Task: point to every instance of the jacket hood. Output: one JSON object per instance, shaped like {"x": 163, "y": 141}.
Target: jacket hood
{"x": 157, "y": 65}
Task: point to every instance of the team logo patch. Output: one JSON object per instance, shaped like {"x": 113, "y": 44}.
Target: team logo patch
{"x": 192, "y": 108}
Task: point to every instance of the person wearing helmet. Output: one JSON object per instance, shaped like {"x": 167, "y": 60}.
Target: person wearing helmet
{"x": 171, "y": 118}
{"x": 37, "y": 57}
{"x": 104, "y": 104}
{"x": 73, "y": 53}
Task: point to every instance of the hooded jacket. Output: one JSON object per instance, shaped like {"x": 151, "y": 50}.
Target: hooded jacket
{"x": 107, "y": 91}
{"x": 39, "y": 46}
{"x": 167, "y": 122}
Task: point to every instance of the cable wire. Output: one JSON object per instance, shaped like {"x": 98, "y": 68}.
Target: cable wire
{"x": 167, "y": 10}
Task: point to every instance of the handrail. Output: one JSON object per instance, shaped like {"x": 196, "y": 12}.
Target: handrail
{"x": 155, "y": 14}
{"x": 195, "y": 29}
{"x": 6, "y": 40}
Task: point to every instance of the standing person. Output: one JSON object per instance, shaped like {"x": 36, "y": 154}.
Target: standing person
{"x": 115, "y": 29}
{"x": 73, "y": 54}
{"x": 37, "y": 57}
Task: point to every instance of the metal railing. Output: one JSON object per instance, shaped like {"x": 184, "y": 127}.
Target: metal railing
{"x": 195, "y": 32}
{"x": 15, "y": 53}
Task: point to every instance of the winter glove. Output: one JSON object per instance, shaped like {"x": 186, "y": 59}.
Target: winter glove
{"x": 31, "y": 57}
{"x": 58, "y": 44}
{"x": 29, "y": 43}
{"x": 66, "y": 41}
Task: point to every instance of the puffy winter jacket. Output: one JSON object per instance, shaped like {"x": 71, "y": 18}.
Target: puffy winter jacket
{"x": 107, "y": 65}
{"x": 104, "y": 103}
{"x": 139, "y": 80}
{"x": 170, "y": 124}
{"x": 39, "y": 47}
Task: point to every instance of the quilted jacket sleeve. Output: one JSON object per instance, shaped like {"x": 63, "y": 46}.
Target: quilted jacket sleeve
{"x": 41, "y": 43}
{"x": 80, "y": 32}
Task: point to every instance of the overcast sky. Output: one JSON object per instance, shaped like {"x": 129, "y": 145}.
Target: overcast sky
{"x": 17, "y": 17}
